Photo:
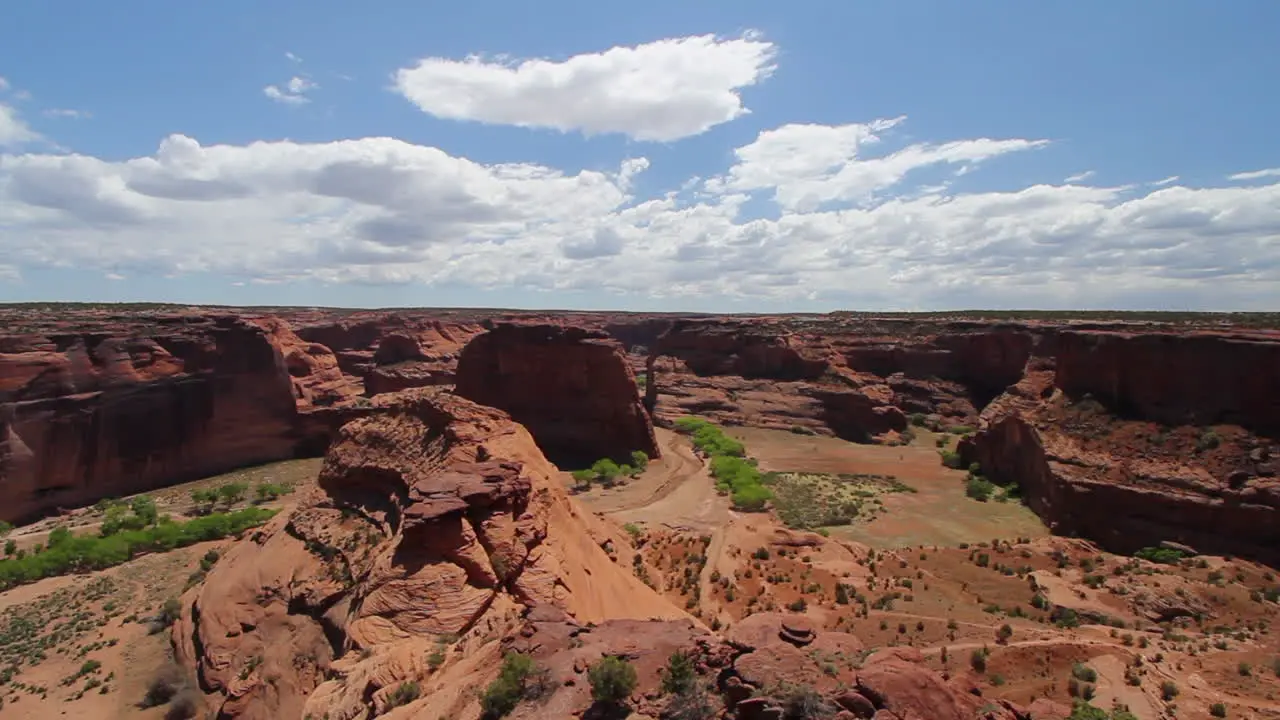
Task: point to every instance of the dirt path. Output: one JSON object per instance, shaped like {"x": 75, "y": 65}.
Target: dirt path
{"x": 676, "y": 492}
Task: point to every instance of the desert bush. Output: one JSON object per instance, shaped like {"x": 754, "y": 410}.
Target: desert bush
{"x": 163, "y": 687}
{"x": 612, "y": 680}
{"x": 519, "y": 679}
{"x": 979, "y": 488}
{"x": 405, "y": 693}
{"x": 678, "y": 676}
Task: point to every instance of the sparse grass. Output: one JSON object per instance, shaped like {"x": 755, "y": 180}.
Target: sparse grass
{"x": 813, "y": 500}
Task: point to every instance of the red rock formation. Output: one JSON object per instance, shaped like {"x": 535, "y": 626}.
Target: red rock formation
{"x": 1097, "y": 456}
{"x": 312, "y": 367}
{"x": 571, "y": 387}
{"x": 96, "y": 414}
{"x": 436, "y": 517}
{"x": 1194, "y": 379}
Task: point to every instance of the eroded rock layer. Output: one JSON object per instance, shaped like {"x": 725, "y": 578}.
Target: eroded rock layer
{"x": 437, "y": 522}
{"x": 1133, "y": 440}
{"x": 571, "y": 387}
{"x": 118, "y": 408}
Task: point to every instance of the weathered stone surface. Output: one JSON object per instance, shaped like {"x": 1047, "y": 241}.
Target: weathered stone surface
{"x": 435, "y": 517}
{"x": 571, "y": 387}
{"x": 147, "y": 403}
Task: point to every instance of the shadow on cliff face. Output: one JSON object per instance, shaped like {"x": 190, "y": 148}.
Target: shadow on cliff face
{"x": 572, "y": 388}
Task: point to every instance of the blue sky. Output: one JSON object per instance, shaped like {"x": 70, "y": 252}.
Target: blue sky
{"x": 744, "y": 156}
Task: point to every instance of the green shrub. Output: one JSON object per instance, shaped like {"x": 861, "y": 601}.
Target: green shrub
{"x": 612, "y": 680}
{"x": 1084, "y": 673}
{"x": 266, "y": 492}
{"x": 639, "y": 460}
{"x": 1218, "y": 710}
{"x": 678, "y": 676}
{"x": 77, "y": 553}
{"x": 951, "y": 459}
{"x": 1165, "y": 556}
{"x": 232, "y": 492}
{"x": 519, "y": 679}
{"x": 405, "y": 693}
{"x": 979, "y": 488}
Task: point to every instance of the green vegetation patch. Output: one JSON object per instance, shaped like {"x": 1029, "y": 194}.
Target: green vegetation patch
{"x": 121, "y": 539}
{"x": 805, "y": 501}
{"x": 736, "y": 474}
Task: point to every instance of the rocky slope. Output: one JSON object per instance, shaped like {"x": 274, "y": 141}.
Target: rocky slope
{"x": 438, "y": 519}
{"x": 439, "y": 539}
{"x": 572, "y": 388}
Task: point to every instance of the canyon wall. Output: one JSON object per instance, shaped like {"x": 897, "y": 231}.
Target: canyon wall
{"x": 1131, "y": 440}
{"x": 96, "y": 413}
{"x": 572, "y": 388}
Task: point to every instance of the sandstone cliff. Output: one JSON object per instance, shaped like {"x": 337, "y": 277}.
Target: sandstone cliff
{"x": 114, "y": 410}
{"x": 571, "y": 387}
{"x": 1132, "y": 440}
{"x": 438, "y": 523}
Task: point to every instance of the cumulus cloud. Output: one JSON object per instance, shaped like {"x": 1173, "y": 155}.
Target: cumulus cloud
{"x": 293, "y": 92}
{"x": 13, "y": 130}
{"x": 661, "y": 91}
{"x": 807, "y": 166}
{"x": 851, "y": 229}
{"x": 1256, "y": 174}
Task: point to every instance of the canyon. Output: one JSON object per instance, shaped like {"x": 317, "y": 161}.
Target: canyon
{"x": 99, "y": 403}
{"x": 441, "y": 534}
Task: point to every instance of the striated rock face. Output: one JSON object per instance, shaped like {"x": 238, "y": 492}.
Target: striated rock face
{"x": 92, "y": 414}
{"x": 1199, "y": 379}
{"x": 571, "y": 387}
{"x": 438, "y": 523}
{"x": 855, "y": 380}
{"x": 1141, "y": 449}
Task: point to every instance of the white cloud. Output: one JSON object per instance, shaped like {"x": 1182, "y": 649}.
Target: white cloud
{"x": 13, "y": 131}
{"x": 1079, "y": 177}
{"x": 68, "y": 113}
{"x": 9, "y": 273}
{"x": 662, "y": 91}
{"x": 294, "y": 92}
{"x": 292, "y": 57}
{"x": 4, "y": 84}
{"x": 807, "y": 166}
{"x": 1166, "y": 181}
{"x": 383, "y": 211}
{"x": 1256, "y": 174}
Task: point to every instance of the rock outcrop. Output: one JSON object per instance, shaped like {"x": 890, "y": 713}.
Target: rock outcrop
{"x": 437, "y": 524}
{"x": 107, "y": 411}
{"x": 1128, "y": 440}
{"x": 571, "y": 387}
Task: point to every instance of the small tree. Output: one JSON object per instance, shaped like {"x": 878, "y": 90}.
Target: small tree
{"x": 145, "y": 509}
{"x": 232, "y": 492}
{"x": 639, "y": 460}
{"x": 678, "y": 676}
{"x": 612, "y": 680}
{"x": 582, "y": 479}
